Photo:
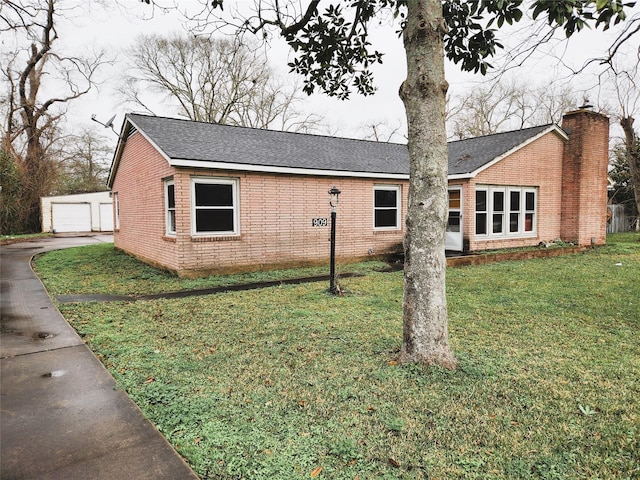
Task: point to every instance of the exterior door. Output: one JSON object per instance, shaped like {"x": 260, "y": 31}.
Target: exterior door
{"x": 106, "y": 217}
{"x": 453, "y": 238}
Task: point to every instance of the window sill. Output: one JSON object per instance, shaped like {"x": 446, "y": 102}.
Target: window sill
{"x": 167, "y": 238}
{"x": 387, "y": 231}
{"x": 505, "y": 236}
{"x": 229, "y": 238}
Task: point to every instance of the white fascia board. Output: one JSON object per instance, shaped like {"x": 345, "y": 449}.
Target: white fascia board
{"x": 552, "y": 128}
{"x": 282, "y": 170}
{"x": 460, "y": 176}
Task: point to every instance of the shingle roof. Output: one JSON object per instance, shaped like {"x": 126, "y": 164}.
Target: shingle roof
{"x": 185, "y": 140}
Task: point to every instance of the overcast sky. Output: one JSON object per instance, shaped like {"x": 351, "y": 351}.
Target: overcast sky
{"x": 116, "y": 28}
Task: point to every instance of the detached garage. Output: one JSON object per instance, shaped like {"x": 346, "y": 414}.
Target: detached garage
{"x": 84, "y": 212}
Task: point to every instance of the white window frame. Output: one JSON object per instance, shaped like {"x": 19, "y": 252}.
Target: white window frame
{"x": 398, "y": 191}
{"x": 116, "y": 207}
{"x": 505, "y": 195}
{"x": 235, "y": 196}
{"x": 168, "y": 210}
{"x": 534, "y": 212}
{"x": 507, "y": 211}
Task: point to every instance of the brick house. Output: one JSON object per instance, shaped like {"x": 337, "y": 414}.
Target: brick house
{"x": 198, "y": 198}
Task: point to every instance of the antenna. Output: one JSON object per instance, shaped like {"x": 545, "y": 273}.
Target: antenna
{"x": 108, "y": 124}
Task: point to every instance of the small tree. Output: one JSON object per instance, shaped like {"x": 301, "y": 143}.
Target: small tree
{"x": 620, "y": 174}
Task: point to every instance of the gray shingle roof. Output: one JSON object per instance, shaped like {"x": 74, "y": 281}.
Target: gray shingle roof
{"x": 182, "y": 139}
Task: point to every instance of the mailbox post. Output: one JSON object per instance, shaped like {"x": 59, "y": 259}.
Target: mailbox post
{"x": 333, "y": 201}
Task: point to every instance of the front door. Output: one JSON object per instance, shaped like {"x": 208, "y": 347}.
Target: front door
{"x": 453, "y": 238}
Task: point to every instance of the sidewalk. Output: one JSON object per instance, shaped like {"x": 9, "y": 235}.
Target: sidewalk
{"x": 61, "y": 414}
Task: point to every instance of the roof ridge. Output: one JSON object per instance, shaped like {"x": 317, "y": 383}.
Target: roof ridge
{"x": 265, "y": 129}
{"x": 540, "y": 127}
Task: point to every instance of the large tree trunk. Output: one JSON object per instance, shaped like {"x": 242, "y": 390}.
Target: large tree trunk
{"x": 632, "y": 148}
{"x": 425, "y": 336}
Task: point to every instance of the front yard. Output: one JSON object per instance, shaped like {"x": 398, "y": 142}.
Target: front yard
{"x": 288, "y": 382}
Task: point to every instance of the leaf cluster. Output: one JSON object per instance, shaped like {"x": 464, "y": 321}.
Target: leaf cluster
{"x": 333, "y": 52}
{"x": 470, "y": 38}
{"x": 574, "y": 15}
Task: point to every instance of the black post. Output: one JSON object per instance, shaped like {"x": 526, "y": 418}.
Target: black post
{"x": 332, "y": 274}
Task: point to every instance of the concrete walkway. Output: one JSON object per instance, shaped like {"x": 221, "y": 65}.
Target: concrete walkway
{"x": 61, "y": 414}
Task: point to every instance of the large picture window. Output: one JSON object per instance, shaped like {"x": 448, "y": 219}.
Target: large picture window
{"x": 214, "y": 206}
{"x": 505, "y": 211}
{"x": 386, "y": 207}
{"x": 170, "y": 207}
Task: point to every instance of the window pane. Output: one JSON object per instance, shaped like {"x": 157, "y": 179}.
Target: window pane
{"x": 454, "y": 198}
{"x": 453, "y": 224}
{"x": 528, "y": 222}
{"x": 214, "y": 220}
{"x": 530, "y": 201}
{"x": 514, "y": 222}
{"x": 171, "y": 199}
{"x": 497, "y": 223}
{"x": 385, "y": 198}
{"x": 481, "y": 223}
{"x": 172, "y": 220}
{"x": 514, "y": 203}
{"x": 481, "y": 201}
{"x": 214, "y": 195}
{"x": 498, "y": 201}
{"x": 386, "y": 218}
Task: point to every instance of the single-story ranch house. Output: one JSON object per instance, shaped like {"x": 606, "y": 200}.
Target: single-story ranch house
{"x": 198, "y": 198}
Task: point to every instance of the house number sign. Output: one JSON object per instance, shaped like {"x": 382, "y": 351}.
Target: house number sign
{"x": 319, "y": 222}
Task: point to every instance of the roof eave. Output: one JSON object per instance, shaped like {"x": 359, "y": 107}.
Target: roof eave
{"x": 244, "y": 167}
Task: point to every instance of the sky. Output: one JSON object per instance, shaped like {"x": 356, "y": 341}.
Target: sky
{"x": 115, "y": 27}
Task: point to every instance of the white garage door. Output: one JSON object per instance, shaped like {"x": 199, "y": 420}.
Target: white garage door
{"x": 71, "y": 217}
{"x": 106, "y": 217}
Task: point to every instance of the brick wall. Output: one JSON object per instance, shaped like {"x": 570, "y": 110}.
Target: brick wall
{"x": 276, "y": 230}
{"x": 584, "y": 179}
{"x": 276, "y": 213}
{"x": 140, "y": 190}
{"x": 539, "y": 165}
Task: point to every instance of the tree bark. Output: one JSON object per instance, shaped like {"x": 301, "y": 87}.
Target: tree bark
{"x": 632, "y": 150}
{"x": 425, "y": 328}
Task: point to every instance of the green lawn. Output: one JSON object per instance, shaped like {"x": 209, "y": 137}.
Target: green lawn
{"x": 289, "y": 382}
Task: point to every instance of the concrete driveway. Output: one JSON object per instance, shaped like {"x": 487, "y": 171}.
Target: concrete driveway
{"x": 61, "y": 414}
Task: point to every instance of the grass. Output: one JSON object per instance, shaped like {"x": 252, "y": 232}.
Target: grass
{"x": 8, "y": 239}
{"x": 102, "y": 269}
{"x": 288, "y": 382}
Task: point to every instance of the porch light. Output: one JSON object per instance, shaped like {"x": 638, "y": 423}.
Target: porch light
{"x": 333, "y": 201}
{"x": 334, "y": 193}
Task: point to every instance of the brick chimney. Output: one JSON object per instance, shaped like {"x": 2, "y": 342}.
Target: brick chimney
{"x": 584, "y": 177}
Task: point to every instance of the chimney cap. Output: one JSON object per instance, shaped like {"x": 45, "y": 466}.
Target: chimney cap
{"x": 586, "y": 105}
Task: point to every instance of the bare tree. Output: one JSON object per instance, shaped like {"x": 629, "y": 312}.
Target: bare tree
{"x": 213, "y": 80}
{"x": 383, "y": 131}
{"x": 492, "y": 108}
{"x": 40, "y": 82}
{"x": 84, "y": 163}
